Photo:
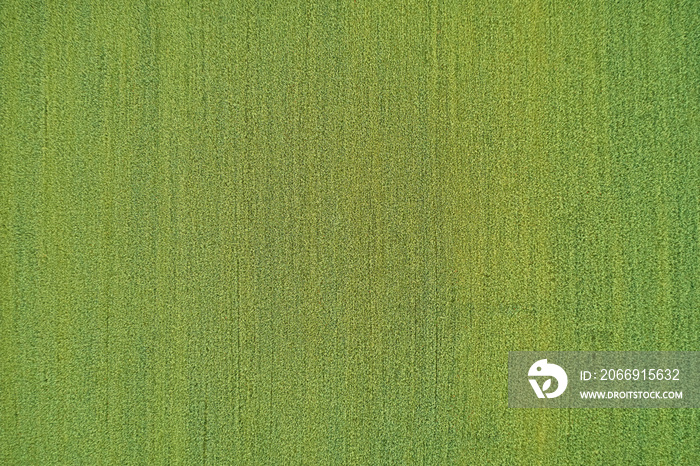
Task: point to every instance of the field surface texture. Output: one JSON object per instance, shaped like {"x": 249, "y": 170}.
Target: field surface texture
{"x": 309, "y": 232}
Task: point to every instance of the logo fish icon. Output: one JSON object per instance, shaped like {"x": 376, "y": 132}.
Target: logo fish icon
{"x": 542, "y": 369}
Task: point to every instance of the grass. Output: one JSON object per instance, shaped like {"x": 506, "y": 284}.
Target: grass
{"x": 310, "y": 232}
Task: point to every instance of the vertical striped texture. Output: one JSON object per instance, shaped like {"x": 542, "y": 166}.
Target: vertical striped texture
{"x": 309, "y": 232}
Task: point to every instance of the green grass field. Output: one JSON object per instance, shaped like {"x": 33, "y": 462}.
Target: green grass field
{"x": 305, "y": 232}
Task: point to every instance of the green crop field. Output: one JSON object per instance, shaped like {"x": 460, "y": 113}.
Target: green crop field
{"x": 309, "y": 232}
